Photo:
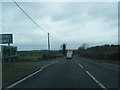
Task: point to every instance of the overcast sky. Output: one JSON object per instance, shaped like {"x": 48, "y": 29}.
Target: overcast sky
{"x": 72, "y": 23}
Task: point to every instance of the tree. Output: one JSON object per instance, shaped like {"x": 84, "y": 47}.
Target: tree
{"x": 84, "y": 46}
{"x": 63, "y": 46}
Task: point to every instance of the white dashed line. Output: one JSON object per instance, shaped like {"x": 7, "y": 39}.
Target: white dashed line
{"x": 29, "y": 76}
{"x": 80, "y": 65}
{"x": 100, "y": 84}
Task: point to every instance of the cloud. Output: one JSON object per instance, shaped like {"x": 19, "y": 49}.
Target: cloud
{"x": 71, "y": 23}
{"x": 1, "y": 17}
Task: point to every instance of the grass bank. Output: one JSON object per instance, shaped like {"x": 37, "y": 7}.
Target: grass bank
{"x": 11, "y": 72}
{"x": 29, "y": 58}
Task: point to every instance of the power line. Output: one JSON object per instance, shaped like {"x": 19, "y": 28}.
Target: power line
{"x": 34, "y": 21}
{"x": 28, "y": 16}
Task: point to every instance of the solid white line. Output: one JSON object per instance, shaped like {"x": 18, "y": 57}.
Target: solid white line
{"x": 30, "y": 75}
{"x": 100, "y": 84}
{"x": 49, "y": 64}
{"x": 24, "y": 79}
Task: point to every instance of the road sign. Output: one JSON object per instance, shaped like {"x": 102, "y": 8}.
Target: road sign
{"x": 6, "y": 38}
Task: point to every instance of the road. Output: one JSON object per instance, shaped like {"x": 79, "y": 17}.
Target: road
{"x": 73, "y": 73}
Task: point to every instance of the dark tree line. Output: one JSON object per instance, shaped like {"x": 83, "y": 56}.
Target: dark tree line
{"x": 107, "y": 52}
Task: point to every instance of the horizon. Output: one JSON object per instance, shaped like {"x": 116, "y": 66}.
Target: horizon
{"x": 93, "y": 23}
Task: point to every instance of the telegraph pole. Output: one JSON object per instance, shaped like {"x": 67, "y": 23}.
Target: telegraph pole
{"x": 48, "y": 42}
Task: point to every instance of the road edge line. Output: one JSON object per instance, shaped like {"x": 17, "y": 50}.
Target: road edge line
{"x": 14, "y": 84}
{"x": 23, "y": 79}
{"x": 49, "y": 64}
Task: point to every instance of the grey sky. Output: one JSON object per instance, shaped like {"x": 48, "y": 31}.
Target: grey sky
{"x": 73, "y": 23}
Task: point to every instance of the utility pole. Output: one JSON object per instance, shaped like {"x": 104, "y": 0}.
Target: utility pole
{"x": 48, "y": 42}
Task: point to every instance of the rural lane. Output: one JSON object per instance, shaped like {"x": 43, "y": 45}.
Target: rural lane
{"x": 74, "y": 73}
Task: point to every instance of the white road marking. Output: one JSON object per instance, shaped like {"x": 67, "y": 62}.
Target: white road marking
{"x": 80, "y": 65}
{"x": 24, "y": 79}
{"x": 49, "y": 64}
{"x": 100, "y": 84}
{"x": 29, "y": 76}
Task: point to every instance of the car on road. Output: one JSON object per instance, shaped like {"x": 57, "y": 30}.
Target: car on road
{"x": 69, "y": 54}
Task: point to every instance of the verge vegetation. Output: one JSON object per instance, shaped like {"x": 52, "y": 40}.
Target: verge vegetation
{"x": 104, "y": 52}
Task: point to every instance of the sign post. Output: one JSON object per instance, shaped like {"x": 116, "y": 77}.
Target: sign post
{"x": 7, "y": 39}
{"x": 9, "y": 51}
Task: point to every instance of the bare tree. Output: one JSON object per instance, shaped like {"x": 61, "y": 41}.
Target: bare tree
{"x": 84, "y": 46}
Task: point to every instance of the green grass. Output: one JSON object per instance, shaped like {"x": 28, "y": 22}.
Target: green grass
{"x": 30, "y": 58}
{"x": 13, "y": 71}
{"x": 34, "y": 58}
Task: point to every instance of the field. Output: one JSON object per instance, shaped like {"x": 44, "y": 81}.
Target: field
{"x": 29, "y": 58}
{"x": 36, "y": 57}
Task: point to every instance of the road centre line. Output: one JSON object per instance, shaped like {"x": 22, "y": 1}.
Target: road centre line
{"x": 100, "y": 84}
{"x": 80, "y": 65}
{"x": 29, "y": 76}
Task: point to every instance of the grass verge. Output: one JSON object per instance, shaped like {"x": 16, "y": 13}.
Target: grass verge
{"x": 115, "y": 62}
{"x": 31, "y": 58}
{"x": 13, "y": 71}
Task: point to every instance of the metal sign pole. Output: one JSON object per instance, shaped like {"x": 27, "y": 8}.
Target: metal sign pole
{"x": 7, "y": 39}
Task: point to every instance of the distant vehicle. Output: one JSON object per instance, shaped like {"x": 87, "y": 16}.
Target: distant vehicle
{"x": 69, "y": 54}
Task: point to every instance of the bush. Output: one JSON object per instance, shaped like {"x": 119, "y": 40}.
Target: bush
{"x": 102, "y": 52}
{"x": 113, "y": 55}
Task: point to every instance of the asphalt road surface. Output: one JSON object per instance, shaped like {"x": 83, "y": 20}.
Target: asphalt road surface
{"x": 73, "y": 73}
